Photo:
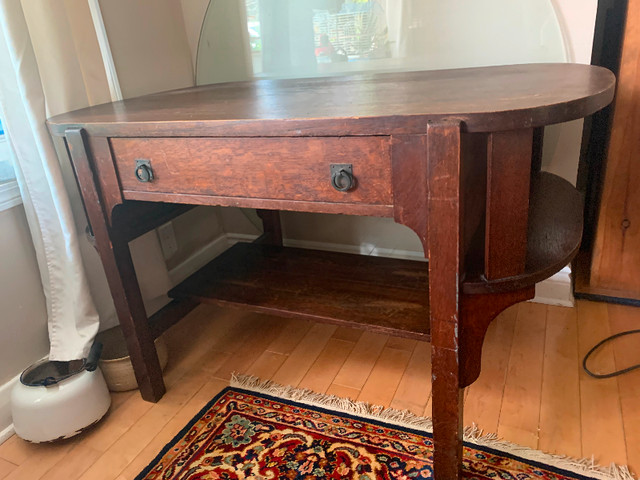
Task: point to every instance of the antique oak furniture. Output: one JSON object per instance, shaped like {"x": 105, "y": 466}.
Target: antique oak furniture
{"x": 452, "y": 154}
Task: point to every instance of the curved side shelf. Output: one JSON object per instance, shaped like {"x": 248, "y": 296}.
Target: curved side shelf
{"x": 553, "y": 235}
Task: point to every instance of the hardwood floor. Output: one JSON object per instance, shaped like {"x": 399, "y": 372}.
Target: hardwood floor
{"x": 532, "y": 389}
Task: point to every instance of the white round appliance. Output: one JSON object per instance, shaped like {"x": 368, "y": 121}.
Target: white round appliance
{"x": 56, "y": 400}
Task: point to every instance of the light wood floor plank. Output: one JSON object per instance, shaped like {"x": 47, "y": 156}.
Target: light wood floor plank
{"x": 41, "y": 459}
{"x": 627, "y": 353}
{"x": 266, "y": 330}
{"x": 212, "y": 325}
{"x": 358, "y": 366}
{"x": 484, "y": 398}
{"x": 327, "y": 365}
{"x": 291, "y": 335}
{"x": 267, "y": 364}
{"x": 414, "y": 388}
{"x": 132, "y": 442}
{"x": 119, "y": 398}
{"x": 428, "y": 412}
{"x": 182, "y": 359}
{"x": 217, "y": 329}
{"x": 343, "y": 392}
{"x": 171, "y": 429}
{"x": 304, "y": 355}
{"x": 154, "y": 416}
{"x": 399, "y": 343}
{"x": 119, "y": 422}
{"x": 15, "y": 450}
{"x": 601, "y": 418}
{"x": 6, "y": 468}
{"x": 70, "y": 466}
{"x": 381, "y": 386}
{"x": 560, "y": 397}
{"x": 626, "y": 349}
{"x": 520, "y": 412}
{"x": 348, "y": 334}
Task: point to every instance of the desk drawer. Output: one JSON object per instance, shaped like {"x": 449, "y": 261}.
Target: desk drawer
{"x": 290, "y": 168}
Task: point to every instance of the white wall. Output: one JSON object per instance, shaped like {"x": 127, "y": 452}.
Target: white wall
{"x": 193, "y": 13}
{"x": 149, "y": 45}
{"x": 561, "y": 150}
{"x": 23, "y": 321}
{"x": 23, "y": 325}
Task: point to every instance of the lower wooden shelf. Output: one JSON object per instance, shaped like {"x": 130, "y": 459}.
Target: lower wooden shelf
{"x": 380, "y": 294}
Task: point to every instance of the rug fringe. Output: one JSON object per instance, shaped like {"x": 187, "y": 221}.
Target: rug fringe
{"x": 584, "y": 466}
{"x": 332, "y": 402}
{"x": 472, "y": 434}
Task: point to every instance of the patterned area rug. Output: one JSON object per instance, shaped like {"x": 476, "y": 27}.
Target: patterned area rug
{"x": 263, "y": 431}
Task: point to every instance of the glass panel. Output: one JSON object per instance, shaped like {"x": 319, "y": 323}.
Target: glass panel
{"x": 298, "y": 38}
{"x": 6, "y": 168}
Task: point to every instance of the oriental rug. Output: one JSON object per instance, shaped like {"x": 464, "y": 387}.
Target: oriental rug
{"x": 257, "y": 431}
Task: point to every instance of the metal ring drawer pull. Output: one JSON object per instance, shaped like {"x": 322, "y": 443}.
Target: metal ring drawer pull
{"x": 342, "y": 178}
{"x": 144, "y": 172}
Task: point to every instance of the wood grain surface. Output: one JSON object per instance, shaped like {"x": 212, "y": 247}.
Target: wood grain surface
{"x": 484, "y": 99}
{"x": 507, "y": 211}
{"x": 616, "y": 251}
{"x": 444, "y": 207}
{"x": 553, "y": 235}
{"x": 294, "y": 169}
{"x": 380, "y": 294}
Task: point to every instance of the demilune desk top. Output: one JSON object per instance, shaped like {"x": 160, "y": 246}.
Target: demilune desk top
{"x": 485, "y": 99}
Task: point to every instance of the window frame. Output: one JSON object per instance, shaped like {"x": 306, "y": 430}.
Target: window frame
{"x": 9, "y": 195}
{"x": 9, "y": 191}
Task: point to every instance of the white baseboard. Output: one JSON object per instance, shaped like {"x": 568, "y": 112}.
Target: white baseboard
{"x": 6, "y": 422}
{"x": 233, "y": 238}
{"x": 555, "y": 290}
{"x": 199, "y": 259}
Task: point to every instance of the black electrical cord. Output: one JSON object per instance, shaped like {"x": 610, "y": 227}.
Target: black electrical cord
{"x": 598, "y": 345}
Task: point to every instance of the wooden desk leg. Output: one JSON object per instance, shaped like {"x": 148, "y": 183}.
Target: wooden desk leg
{"x": 121, "y": 275}
{"x": 444, "y": 243}
{"x": 272, "y": 227}
{"x": 134, "y": 322}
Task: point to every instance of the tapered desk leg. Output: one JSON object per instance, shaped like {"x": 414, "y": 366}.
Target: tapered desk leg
{"x": 134, "y": 322}
{"x": 426, "y": 189}
{"x": 121, "y": 275}
{"x": 444, "y": 244}
{"x": 272, "y": 227}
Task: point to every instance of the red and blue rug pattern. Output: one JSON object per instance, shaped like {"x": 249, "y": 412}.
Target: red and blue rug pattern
{"x": 247, "y": 435}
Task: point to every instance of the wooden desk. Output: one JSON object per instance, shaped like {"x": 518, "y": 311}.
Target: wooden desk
{"x": 454, "y": 155}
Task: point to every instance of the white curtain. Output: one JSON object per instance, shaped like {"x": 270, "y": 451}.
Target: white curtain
{"x": 73, "y": 321}
{"x": 50, "y": 63}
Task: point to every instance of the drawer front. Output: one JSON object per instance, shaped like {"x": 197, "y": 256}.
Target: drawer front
{"x": 296, "y": 168}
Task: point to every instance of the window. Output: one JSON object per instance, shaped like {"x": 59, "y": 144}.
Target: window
{"x": 292, "y": 38}
{"x": 6, "y": 169}
{"x": 9, "y": 192}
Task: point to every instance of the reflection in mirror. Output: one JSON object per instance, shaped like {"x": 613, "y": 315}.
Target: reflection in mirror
{"x": 241, "y": 39}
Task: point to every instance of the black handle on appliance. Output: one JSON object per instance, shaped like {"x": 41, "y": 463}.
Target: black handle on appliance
{"x": 94, "y": 355}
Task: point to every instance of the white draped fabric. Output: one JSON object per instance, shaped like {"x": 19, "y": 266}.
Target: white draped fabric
{"x": 73, "y": 321}
{"x": 50, "y": 63}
